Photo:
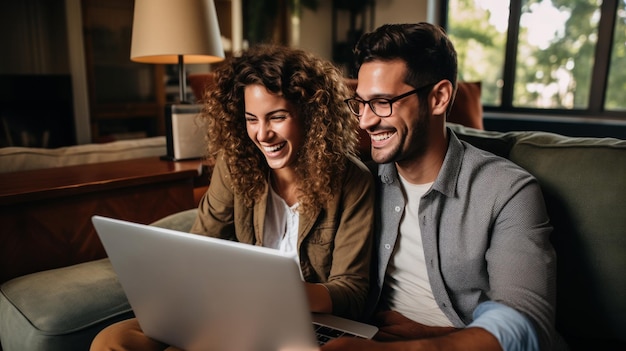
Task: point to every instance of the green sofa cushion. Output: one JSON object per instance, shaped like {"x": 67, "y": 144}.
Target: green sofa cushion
{"x": 181, "y": 221}
{"x": 584, "y": 183}
{"x": 64, "y": 308}
{"x": 54, "y": 309}
{"x": 497, "y": 143}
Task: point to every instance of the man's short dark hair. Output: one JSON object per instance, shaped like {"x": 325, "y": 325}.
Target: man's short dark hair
{"x": 429, "y": 55}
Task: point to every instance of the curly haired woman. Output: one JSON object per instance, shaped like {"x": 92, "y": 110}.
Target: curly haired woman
{"x": 285, "y": 177}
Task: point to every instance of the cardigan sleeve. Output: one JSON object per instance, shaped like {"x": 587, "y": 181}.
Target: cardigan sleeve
{"x": 216, "y": 209}
{"x": 348, "y": 281}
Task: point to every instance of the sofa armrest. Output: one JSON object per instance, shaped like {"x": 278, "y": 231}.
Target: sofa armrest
{"x": 181, "y": 221}
{"x": 13, "y": 159}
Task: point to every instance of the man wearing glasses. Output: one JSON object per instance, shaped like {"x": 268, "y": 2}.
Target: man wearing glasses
{"x": 464, "y": 260}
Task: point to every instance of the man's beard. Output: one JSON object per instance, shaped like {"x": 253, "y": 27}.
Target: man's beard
{"x": 403, "y": 151}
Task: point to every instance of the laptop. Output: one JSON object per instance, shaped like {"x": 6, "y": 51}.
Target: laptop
{"x": 201, "y": 293}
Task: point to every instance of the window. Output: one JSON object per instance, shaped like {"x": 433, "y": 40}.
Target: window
{"x": 616, "y": 85}
{"x": 560, "y": 56}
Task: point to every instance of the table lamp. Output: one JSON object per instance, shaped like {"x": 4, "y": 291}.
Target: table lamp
{"x": 176, "y": 32}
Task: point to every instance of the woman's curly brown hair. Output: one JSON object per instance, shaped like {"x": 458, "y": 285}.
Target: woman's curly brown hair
{"x": 316, "y": 89}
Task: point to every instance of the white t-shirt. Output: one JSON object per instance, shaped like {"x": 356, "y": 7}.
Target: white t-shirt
{"x": 407, "y": 287}
{"x": 281, "y": 225}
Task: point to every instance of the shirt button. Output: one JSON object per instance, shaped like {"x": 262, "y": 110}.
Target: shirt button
{"x": 397, "y": 208}
{"x": 387, "y": 246}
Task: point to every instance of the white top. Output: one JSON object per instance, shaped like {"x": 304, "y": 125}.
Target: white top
{"x": 281, "y": 225}
{"x": 406, "y": 284}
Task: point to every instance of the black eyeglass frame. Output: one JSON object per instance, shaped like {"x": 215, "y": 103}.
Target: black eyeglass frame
{"x": 388, "y": 101}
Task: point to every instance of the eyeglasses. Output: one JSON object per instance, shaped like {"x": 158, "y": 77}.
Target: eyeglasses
{"x": 380, "y": 106}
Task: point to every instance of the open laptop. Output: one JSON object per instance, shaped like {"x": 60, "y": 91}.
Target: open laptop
{"x": 201, "y": 293}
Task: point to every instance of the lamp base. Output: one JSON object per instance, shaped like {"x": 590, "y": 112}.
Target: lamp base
{"x": 184, "y": 132}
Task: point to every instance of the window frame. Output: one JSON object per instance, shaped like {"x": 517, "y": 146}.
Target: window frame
{"x": 595, "y": 112}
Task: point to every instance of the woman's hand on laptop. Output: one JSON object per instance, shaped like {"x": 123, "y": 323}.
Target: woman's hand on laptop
{"x": 319, "y": 298}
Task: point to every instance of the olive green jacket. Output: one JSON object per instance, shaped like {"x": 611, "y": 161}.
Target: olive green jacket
{"x": 334, "y": 244}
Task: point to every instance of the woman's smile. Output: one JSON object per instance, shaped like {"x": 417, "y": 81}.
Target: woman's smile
{"x": 273, "y": 125}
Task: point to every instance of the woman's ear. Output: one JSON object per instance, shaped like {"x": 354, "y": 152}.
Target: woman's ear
{"x": 442, "y": 97}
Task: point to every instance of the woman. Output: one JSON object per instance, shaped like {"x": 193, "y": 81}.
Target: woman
{"x": 285, "y": 177}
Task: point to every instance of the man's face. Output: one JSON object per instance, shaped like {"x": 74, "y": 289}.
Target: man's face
{"x": 403, "y": 134}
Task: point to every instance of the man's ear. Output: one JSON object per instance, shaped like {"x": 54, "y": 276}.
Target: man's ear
{"x": 442, "y": 96}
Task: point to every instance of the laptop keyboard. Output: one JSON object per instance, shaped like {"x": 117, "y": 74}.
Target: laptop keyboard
{"x": 325, "y": 334}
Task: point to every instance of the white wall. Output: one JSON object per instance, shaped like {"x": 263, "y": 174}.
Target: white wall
{"x": 316, "y": 30}
{"x": 316, "y": 26}
{"x": 401, "y": 11}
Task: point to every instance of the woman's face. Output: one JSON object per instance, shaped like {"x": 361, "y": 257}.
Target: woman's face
{"x": 273, "y": 125}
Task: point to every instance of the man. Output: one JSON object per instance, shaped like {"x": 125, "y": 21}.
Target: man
{"x": 464, "y": 260}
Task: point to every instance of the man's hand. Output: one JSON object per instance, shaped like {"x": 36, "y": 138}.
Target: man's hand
{"x": 410, "y": 335}
{"x": 356, "y": 344}
{"x": 394, "y": 326}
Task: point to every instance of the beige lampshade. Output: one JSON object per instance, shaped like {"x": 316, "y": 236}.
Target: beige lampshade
{"x": 165, "y": 29}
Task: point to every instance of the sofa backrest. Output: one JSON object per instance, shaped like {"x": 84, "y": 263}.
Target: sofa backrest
{"x": 14, "y": 159}
{"x": 584, "y": 184}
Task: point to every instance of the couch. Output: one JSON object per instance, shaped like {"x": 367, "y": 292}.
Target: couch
{"x": 584, "y": 185}
{"x": 14, "y": 159}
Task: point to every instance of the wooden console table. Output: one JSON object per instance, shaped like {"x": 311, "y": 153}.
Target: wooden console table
{"x": 45, "y": 215}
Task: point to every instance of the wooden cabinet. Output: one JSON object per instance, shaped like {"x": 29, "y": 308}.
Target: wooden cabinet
{"x": 126, "y": 99}
{"x": 45, "y": 214}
